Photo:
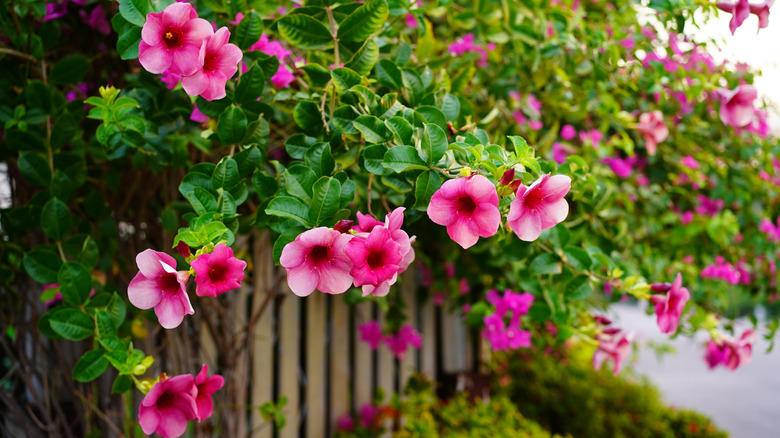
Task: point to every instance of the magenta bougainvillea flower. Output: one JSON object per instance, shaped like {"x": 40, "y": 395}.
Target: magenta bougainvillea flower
{"x": 172, "y": 39}
{"x": 669, "y": 307}
{"x": 219, "y": 60}
{"x": 539, "y": 206}
{"x": 736, "y": 107}
{"x": 376, "y": 258}
{"x": 468, "y": 207}
{"x": 283, "y": 76}
{"x": 316, "y": 260}
{"x": 739, "y": 11}
{"x": 371, "y": 334}
{"x": 615, "y": 346}
{"x": 158, "y": 285}
{"x": 168, "y": 407}
{"x": 206, "y": 386}
{"x": 399, "y": 343}
{"x": 503, "y": 336}
{"x": 653, "y": 129}
{"x": 218, "y": 272}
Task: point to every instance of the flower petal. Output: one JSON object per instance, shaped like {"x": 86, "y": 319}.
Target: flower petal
{"x": 553, "y": 213}
{"x": 302, "y": 280}
{"x": 155, "y": 59}
{"x": 143, "y": 292}
{"x": 464, "y": 232}
{"x": 169, "y": 311}
{"x": 527, "y": 226}
{"x": 196, "y": 83}
{"x": 153, "y": 29}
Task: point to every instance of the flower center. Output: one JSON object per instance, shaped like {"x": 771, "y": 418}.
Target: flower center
{"x": 210, "y": 63}
{"x": 375, "y": 259}
{"x": 465, "y": 205}
{"x": 318, "y": 254}
{"x": 172, "y": 38}
{"x": 169, "y": 283}
{"x": 166, "y": 400}
{"x": 217, "y": 273}
{"x": 533, "y": 201}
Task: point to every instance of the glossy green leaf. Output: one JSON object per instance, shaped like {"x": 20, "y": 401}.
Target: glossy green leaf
{"x": 545, "y": 264}
{"x": 202, "y": 201}
{"x": 401, "y": 129}
{"x": 291, "y": 208}
{"x": 55, "y": 219}
{"x": 72, "y": 324}
{"x": 225, "y": 174}
{"x": 344, "y": 78}
{"x": 320, "y": 159}
{"x": 434, "y": 144}
{"x": 364, "y": 59}
{"x": 231, "y": 126}
{"x": 373, "y": 129}
{"x": 403, "y": 158}
{"x": 298, "y": 181}
{"x": 578, "y": 288}
{"x": 134, "y": 11}
{"x": 364, "y": 21}
{"x": 304, "y": 31}
{"x": 90, "y": 366}
{"x": 34, "y": 168}
{"x": 325, "y": 199}
{"x": 75, "y": 283}
{"x": 426, "y": 185}
{"x": 249, "y": 30}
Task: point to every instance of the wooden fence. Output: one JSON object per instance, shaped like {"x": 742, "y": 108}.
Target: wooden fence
{"x": 308, "y": 349}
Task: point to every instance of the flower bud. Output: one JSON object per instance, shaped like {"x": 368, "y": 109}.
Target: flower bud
{"x": 660, "y": 287}
{"x": 465, "y": 172}
{"x": 515, "y": 184}
{"x": 602, "y": 320}
{"x": 343, "y": 226}
{"x": 508, "y": 176}
{"x": 183, "y": 249}
{"x": 611, "y": 330}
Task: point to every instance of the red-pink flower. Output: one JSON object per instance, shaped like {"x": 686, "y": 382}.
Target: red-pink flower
{"x": 218, "y": 272}
{"x": 653, "y": 129}
{"x": 172, "y": 39}
{"x": 376, "y": 258}
{"x": 206, "y": 386}
{"x": 168, "y": 406}
{"x": 731, "y": 352}
{"x": 669, "y": 307}
{"x": 371, "y": 334}
{"x": 468, "y": 207}
{"x": 316, "y": 260}
{"x": 393, "y": 222}
{"x": 219, "y": 60}
{"x": 568, "y": 132}
{"x": 736, "y": 107}
{"x": 716, "y": 354}
{"x": 614, "y": 346}
{"x": 739, "y": 11}
{"x": 158, "y": 285}
{"x": 399, "y": 343}
{"x": 539, "y": 206}
{"x": 762, "y": 12}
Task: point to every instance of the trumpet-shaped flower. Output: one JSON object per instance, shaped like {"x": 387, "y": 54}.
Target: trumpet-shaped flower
{"x": 653, "y": 129}
{"x": 316, "y": 260}
{"x": 393, "y": 222}
{"x": 615, "y": 346}
{"x": 762, "y": 12}
{"x": 219, "y": 62}
{"x": 158, "y": 285}
{"x": 669, "y": 307}
{"x": 739, "y": 11}
{"x": 371, "y": 334}
{"x": 218, "y": 272}
{"x": 172, "y": 39}
{"x": 206, "y": 386}
{"x": 376, "y": 258}
{"x": 736, "y": 108}
{"x": 168, "y": 406}
{"x": 539, "y": 206}
{"x": 468, "y": 207}
{"x": 399, "y": 343}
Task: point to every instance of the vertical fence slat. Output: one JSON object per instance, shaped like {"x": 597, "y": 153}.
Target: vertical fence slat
{"x": 339, "y": 359}
{"x": 262, "y": 333}
{"x": 453, "y": 352}
{"x": 241, "y": 370}
{"x": 315, "y": 365}
{"x": 409, "y": 290}
{"x": 386, "y": 372}
{"x": 289, "y": 360}
{"x": 428, "y": 331}
{"x": 363, "y": 359}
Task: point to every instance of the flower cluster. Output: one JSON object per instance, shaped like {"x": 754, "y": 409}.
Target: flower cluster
{"x": 398, "y": 343}
{"x": 369, "y": 419}
{"x": 371, "y": 255}
{"x": 466, "y": 44}
{"x": 158, "y": 285}
{"x": 771, "y": 230}
{"x": 177, "y": 42}
{"x": 736, "y": 107}
{"x": 741, "y": 9}
{"x": 669, "y": 307}
{"x": 503, "y": 336}
{"x": 730, "y": 352}
{"x": 283, "y": 76}
{"x": 725, "y": 271}
{"x": 173, "y": 401}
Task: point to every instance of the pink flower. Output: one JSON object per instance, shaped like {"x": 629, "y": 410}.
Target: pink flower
{"x": 218, "y": 272}
{"x": 500, "y": 335}
{"x": 535, "y": 125}
{"x": 197, "y": 116}
{"x": 393, "y": 222}
{"x": 97, "y": 20}
{"x": 623, "y": 168}
{"x": 689, "y": 162}
{"x": 158, "y": 285}
{"x": 399, "y": 343}
{"x": 316, "y": 260}
{"x": 371, "y": 333}
{"x": 669, "y": 307}
{"x": 739, "y": 10}
{"x": 239, "y": 17}
{"x": 368, "y": 413}
{"x": 731, "y": 352}
{"x": 651, "y": 126}
{"x": 736, "y": 108}
{"x": 539, "y": 206}
{"x": 410, "y": 21}
{"x": 468, "y": 207}
{"x": 762, "y": 12}
{"x": 559, "y": 152}
{"x": 172, "y": 39}
{"x": 594, "y": 136}
{"x": 345, "y": 423}
{"x": 376, "y": 258}
{"x": 170, "y": 80}
{"x": 283, "y": 77}
{"x": 716, "y": 354}
{"x": 206, "y": 386}
{"x": 219, "y": 60}
{"x": 615, "y": 346}
{"x": 686, "y": 217}
{"x": 568, "y": 132}
{"x": 166, "y": 409}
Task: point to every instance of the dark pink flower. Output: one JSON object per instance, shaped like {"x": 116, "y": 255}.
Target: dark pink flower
{"x": 736, "y": 107}
{"x": 410, "y": 21}
{"x": 716, "y": 354}
{"x": 739, "y": 12}
{"x": 218, "y": 272}
{"x": 158, "y": 285}
{"x": 468, "y": 207}
{"x": 283, "y": 77}
{"x": 731, "y": 352}
{"x": 762, "y": 12}
{"x": 368, "y": 414}
{"x": 172, "y": 39}
{"x": 371, "y": 334}
{"x": 393, "y": 222}
{"x": 568, "y": 132}
{"x": 170, "y": 80}
{"x": 166, "y": 409}
{"x": 197, "y": 116}
{"x": 316, "y": 260}
{"x": 615, "y": 346}
{"x": 399, "y": 343}
{"x": 219, "y": 60}
{"x": 653, "y": 129}
{"x": 206, "y": 387}
{"x": 97, "y": 20}
{"x": 689, "y": 162}
{"x": 669, "y": 307}
{"x": 375, "y": 258}
{"x": 539, "y": 206}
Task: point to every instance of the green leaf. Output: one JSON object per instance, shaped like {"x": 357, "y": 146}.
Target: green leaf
{"x": 249, "y": 30}
{"x": 75, "y": 283}
{"x": 44, "y": 325}
{"x": 545, "y": 264}
{"x": 477, "y": 313}
{"x": 403, "y": 158}
{"x": 578, "y": 288}
{"x": 373, "y": 129}
{"x": 70, "y": 69}
{"x": 72, "y": 324}
{"x": 42, "y": 265}
{"x": 286, "y": 237}
{"x": 413, "y": 86}
{"x": 433, "y": 115}
{"x": 344, "y": 78}
{"x": 297, "y": 145}
{"x": 364, "y": 59}
{"x": 134, "y": 11}
{"x": 373, "y": 157}
{"x": 227, "y": 206}
{"x": 319, "y": 158}
{"x": 291, "y": 208}
{"x": 325, "y": 199}
{"x": 389, "y": 75}
{"x": 364, "y": 21}
{"x": 89, "y": 253}
{"x": 128, "y": 42}
{"x": 34, "y": 168}
{"x": 265, "y": 186}
{"x": 225, "y": 174}
{"x": 250, "y": 86}
{"x": 121, "y": 384}
{"x": 304, "y": 31}
{"x": 401, "y": 129}
{"x": 578, "y": 257}
{"x": 231, "y": 126}
{"x": 91, "y": 366}
{"x": 426, "y": 185}
{"x": 55, "y": 219}
{"x": 104, "y": 323}
{"x": 298, "y": 181}
{"x": 202, "y": 201}
{"x": 117, "y": 309}
{"x": 307, "y": 115}
{"x": 434, "y": 144}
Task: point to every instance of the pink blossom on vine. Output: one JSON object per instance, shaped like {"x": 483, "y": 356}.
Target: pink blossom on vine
{"x": 771, "y": 230}
{"x": 761, "y": 10}
{"x": 368, "y": 415}
{"x": 393, "y": 222}
{"x": 376, "y": 258}
{"x": 206, "y": 386}
{"x": 218, "y": 272}
{"x": 731, "y": 352}
{"x": 669, "y": 307}
{"x": 503, "y": 336}
{"x": 399, "y": 343}
{"x": 686, "y": 217}
{"x": 96, "y": 20}
{"x": 171, "y": 80}
{"x": 157, "y": 285}
{"x": 613, "y": 346}
{"x": 283, "y": 77}
{"x": 219, "y": 62}
{"x": 707, "y": 206}
{"x": 721, "y": 270}
{"x": 197, "y": 116}
{"x": 689, "y": 162}
{"x": 539, "y": 206}
{"x": 653, "y": 129}
{"x": 716, "y": 354}
{"x": 568, "y": 132}
{"x": 736, "y": 107}
{"x": 468, "y": 207}
{"x": 466, "y": 44}
{"x": 371, "y": 334}
{"x": 168, "y": 406}
{"x": 345, "y": 423}
{"x": 172, "y": 39}
{"x": 594, "y": 136}
{"x": 739, "y": 11}
{"x": 316, "y": 260}
{"x": 239, "y": 17}
{"x": 535, "y": 125}
{"x": 622, "y": 167}
{"x": 410, "y": 21}
{"x": 559, "y": 152}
